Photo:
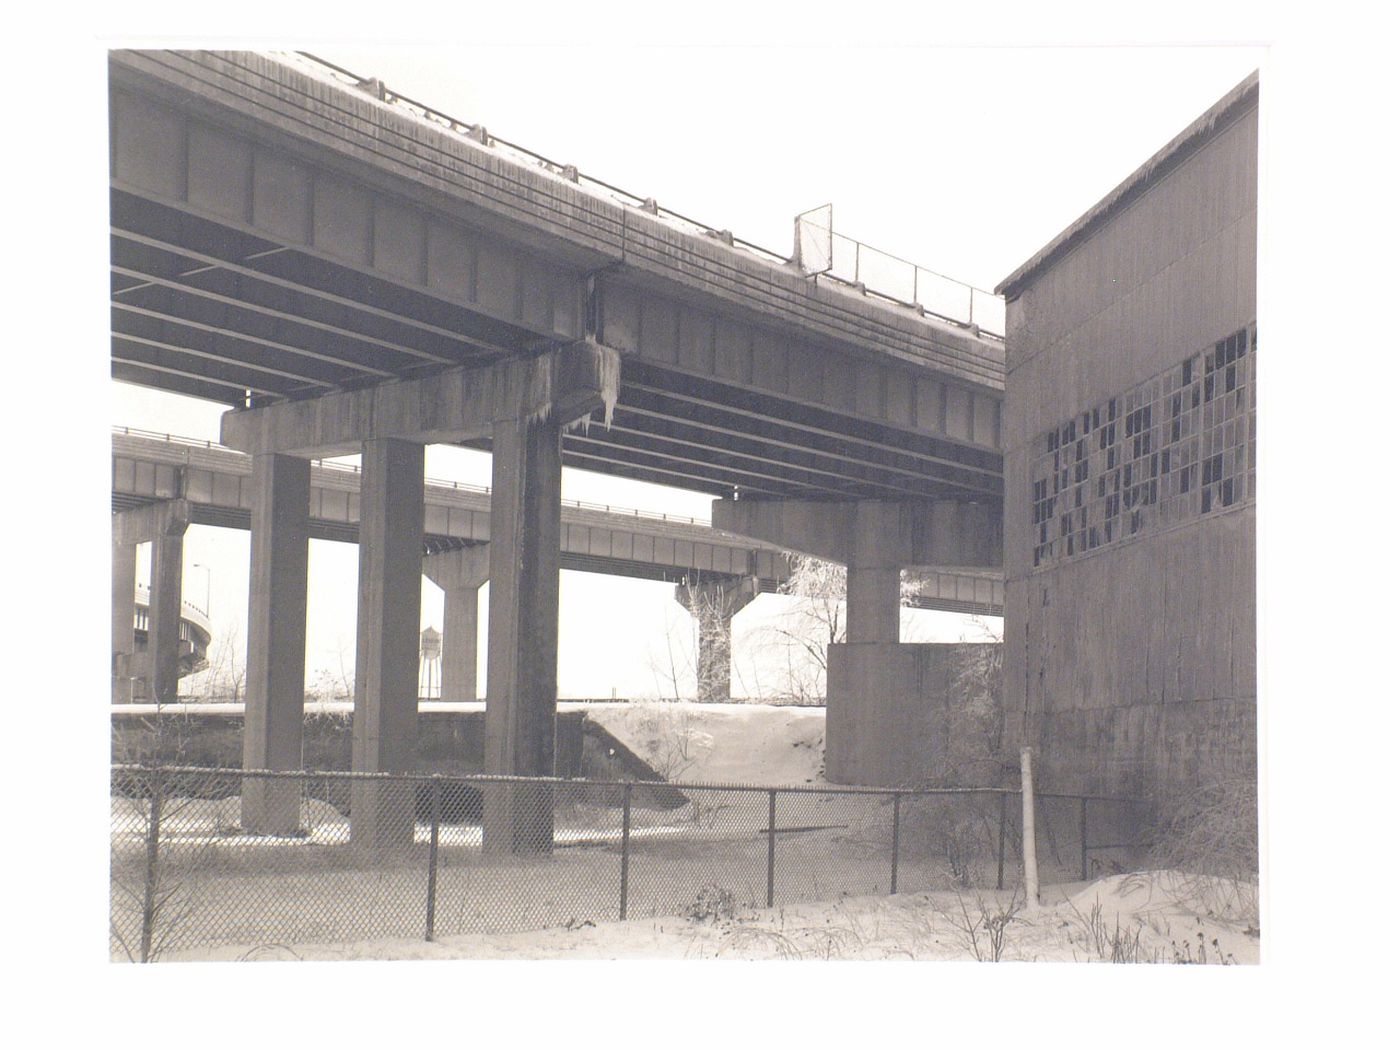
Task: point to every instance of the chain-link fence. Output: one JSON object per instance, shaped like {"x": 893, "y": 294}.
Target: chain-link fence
{"x": 204, "y": 857}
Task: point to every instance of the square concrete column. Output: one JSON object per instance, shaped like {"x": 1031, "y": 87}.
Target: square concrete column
{"x": 872, "y": 573}
{"x": 523, "y": 644}
{"x": 163, "y": 622}
{"x": 459, "y": 628}
{"x": 386, "y": 643}
{"x": 872, "y": 603}
{"x": 123, "y": 618}
{"x": 273, "y": 713}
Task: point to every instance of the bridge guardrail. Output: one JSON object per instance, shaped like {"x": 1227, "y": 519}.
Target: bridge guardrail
{"x": 446, "y": 483}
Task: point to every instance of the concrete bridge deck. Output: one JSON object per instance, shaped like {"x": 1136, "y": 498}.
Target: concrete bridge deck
{"x": 277, "y": 234}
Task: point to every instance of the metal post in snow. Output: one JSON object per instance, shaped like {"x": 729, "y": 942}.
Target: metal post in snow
{"x": 772, "y": 838}
{"x": 152, "y": 874}
{"x": 433, "y": 857}
{"x": 626, "y": 836}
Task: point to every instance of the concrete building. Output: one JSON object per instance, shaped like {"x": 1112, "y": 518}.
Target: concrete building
{"x": 1129, "y": 442}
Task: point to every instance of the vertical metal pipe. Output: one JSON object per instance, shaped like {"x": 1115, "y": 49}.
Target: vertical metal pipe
{"x": 772, "y": 838}
{"x": 894, "y": 849}
{"x": 1032, "y": 873}
{"x": 433, "y": 857}
{"x": 1001, "y": 841}
{"x": 626, "y": 837}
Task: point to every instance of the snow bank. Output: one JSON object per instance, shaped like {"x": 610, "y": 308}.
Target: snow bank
{"x": 720, "y": 743}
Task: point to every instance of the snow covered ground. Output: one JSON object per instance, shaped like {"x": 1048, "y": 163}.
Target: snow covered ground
{"x": 832, "y": 865}
{"x": 1146, "y": 917}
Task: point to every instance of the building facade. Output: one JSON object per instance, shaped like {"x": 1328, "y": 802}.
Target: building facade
{"x": 1129, "y": 431}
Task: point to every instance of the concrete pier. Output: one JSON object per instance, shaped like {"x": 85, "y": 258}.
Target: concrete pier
{"x": 714, "y": 605}
{"x": 276, "y": 640}
{"x": 163, "y": 623}
{"x": 386, "y": 642}
{"x": 163, "y": 526}
{"x": 123, "y": 617}
{"x": 460, "y": 574}
{"x": 875, "y": 686}
{"x": 523, "y": 640}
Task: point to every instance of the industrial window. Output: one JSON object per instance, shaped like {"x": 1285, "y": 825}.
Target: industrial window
{"x": 1191, "y": 426}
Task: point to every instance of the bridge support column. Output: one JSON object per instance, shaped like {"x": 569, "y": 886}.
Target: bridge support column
{"x": 123, "y": 618}
{"x": 273, "y": 713}
{"x": 163, "y": 622}
{"x": 460, "y": 574}
{"x": 386, "y": 642}
{"x": 878, "y": 691}
{"x": 714, "y": 606}
{"x": 523, "y": 642}
{"x": 162, "y": 525}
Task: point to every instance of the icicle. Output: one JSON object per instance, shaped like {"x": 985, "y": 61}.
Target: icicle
{"x": 609, "y": 380}
{"x": 539, "y": 391}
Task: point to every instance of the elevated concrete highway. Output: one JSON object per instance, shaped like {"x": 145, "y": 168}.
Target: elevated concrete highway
{"x": 353, "y": 272}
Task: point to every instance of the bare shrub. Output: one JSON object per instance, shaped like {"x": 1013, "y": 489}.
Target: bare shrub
{"x": 983, "y": 928}
{"x": 1210, "y": 834}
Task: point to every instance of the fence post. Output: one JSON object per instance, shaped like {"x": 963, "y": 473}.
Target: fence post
{"x": 148, "y": 897}
{"x": 1032, "y": 874}
{"x": 433, "y": 856}
{"x": 894, "y": 850}
{"x": 772, "y": 838}
{"x": 1084, "y": 839}
{"x": 626, "y": 837}
{"x": 1001, "y": 840}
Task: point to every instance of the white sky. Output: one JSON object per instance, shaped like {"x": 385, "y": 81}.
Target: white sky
{"x": 1054, "y": 132}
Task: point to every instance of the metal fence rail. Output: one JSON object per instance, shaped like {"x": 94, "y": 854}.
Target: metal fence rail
{"x": 366, "y": 856}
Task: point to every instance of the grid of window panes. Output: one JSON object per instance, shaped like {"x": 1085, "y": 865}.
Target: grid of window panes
{"x": 1174, "y": 447}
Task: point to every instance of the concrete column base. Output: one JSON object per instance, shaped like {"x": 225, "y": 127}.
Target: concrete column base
{"x": 890, "y": 712}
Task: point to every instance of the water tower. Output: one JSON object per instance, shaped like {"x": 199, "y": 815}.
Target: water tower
{"x": 430, "y": 664}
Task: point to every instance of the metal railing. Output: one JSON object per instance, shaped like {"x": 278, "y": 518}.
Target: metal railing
{"x": 478, "y": 133}
{"x": 207, "y": 857}
{"x": 821, "y": 252}
{"x": 444, "y": 483}
{"x": 985, "y": 311}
